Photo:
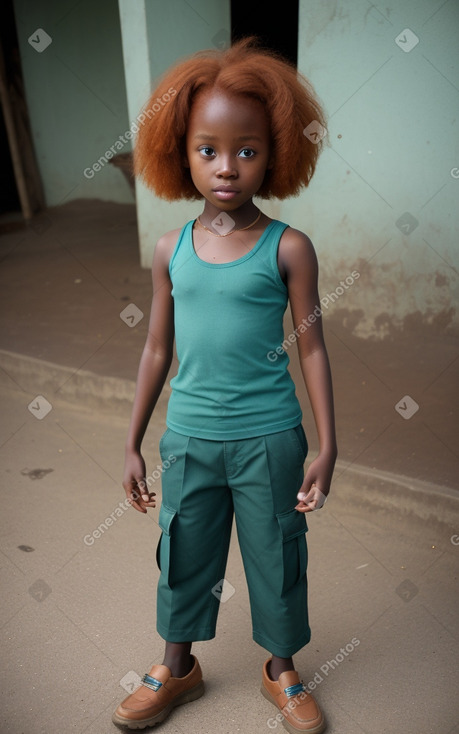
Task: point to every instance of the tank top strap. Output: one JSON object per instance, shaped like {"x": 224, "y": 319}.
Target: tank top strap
{"x": 183, "y": 238}
{"x": 270, "y": 248}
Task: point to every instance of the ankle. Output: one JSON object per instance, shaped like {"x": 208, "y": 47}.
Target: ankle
{"x": 178, "y": 658}
{"x": 277, "y": 666}
{"x": 181, "y": 668}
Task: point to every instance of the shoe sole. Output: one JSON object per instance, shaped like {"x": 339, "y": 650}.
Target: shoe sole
{"x": 185, "y": 697}
{"x": 287, "y": 725}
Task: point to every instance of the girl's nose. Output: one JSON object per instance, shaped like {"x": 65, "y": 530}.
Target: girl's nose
{"x": 226, "y": 168}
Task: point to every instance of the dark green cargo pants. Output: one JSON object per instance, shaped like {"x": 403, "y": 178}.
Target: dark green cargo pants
{"x": 206, "y": 482}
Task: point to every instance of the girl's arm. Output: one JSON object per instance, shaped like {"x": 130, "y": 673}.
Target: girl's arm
{"x": 154, "y": 367}
{"x": 298, "y": 266}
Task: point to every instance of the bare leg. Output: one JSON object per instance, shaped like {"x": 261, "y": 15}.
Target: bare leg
{"x": 178, "y": 659}
{"x": 278, "y": 666}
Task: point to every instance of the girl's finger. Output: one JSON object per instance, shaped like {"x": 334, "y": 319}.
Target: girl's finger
{"x": 134, "y": 496}
{"x": 149, "y": 499}
{"x": 318, "y": 499}
{"x": 315, "y": 499}
{"x": 136, "y": 505}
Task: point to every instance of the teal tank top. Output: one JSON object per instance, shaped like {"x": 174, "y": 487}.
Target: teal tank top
{"x": 227, "y": 318}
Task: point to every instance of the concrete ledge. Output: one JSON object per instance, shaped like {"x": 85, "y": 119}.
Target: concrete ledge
{"x": 368, "y": 488}
{"x": 77, "y": 386}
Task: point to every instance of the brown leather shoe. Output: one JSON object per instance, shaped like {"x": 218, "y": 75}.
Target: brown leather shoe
{"x": 157, "y": 696}
{"x": 299, "y": 711}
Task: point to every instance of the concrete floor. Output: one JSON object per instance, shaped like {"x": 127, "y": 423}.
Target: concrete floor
{"x": 78, "y": 618}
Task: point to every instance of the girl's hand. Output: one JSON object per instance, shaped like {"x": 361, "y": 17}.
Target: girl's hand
{"x": 316, "y": 484}
{"x": 134, "y": 482}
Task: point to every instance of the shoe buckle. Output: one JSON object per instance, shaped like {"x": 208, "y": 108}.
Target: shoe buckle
{"x": 294, "y": 690}
{"x": 150, "y": 682}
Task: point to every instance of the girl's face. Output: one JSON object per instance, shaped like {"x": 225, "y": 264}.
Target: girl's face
{"x": 227, "y": 148}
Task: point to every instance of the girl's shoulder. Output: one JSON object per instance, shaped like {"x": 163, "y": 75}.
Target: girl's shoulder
{"x": 295, "y": 244}
{"x": 169, "y": 239}
{"x": 165, "y": 246}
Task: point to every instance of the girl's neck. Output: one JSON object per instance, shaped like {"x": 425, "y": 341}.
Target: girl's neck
{"x": 242, "y": 216}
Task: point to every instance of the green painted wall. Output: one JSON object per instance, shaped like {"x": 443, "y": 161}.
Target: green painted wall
{"x": 384, "y": 200}
{"x": 76, "y": 96}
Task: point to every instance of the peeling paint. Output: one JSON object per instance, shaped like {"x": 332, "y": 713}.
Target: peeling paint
{"x": 390, "y": 298}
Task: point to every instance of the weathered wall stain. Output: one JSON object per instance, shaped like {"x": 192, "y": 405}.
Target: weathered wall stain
{"x": 389, "y": 297}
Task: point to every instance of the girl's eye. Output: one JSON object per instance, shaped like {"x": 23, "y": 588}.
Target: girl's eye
{"x": 207, "y": 151}
{"x": 247, "y": 153}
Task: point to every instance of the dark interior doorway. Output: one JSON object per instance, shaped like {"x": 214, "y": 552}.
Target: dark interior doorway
{"x": 22, "y": 191}
{"x": 275, "y": 25}
{"x": 9, "y": 200}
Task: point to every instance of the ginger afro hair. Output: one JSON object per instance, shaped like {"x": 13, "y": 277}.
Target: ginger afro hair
{"x": 243, "y": 69}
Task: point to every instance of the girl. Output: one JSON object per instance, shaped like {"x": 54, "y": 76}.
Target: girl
{"x": 231, "y": 127}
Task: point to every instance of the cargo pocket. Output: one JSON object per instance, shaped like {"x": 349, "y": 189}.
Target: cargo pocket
{"x": 293, "y": 527}
{"x": 163, "y": 551}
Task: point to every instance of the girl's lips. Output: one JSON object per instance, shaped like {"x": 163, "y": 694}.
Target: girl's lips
{"x": 225, "y": 194}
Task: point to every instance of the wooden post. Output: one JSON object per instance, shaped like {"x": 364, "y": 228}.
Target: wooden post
{"x": 25, "y": 168}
